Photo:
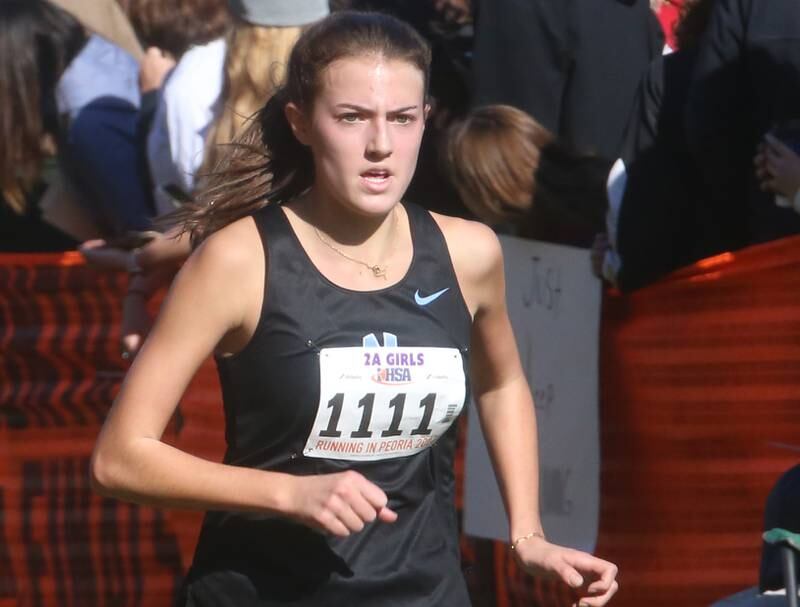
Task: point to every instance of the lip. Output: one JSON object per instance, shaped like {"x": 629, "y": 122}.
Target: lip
{"x": 376, "y": 185}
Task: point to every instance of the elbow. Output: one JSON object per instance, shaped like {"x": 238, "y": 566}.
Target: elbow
{"x": 105, "y": 473}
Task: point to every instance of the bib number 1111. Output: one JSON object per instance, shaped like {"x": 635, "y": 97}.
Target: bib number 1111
{"x": 366, "y": 404}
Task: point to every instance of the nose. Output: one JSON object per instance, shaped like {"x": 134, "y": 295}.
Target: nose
{"x": 379, "y": 145}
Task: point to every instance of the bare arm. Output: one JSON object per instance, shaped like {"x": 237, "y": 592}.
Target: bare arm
{"x": 216, "y": 298}
{"x": 504, "y": 401}
{"x": 508, "y": 419}
{"x": 130, "y": 460}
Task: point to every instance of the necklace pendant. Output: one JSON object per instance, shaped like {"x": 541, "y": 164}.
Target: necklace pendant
{"x": 378, "y": 271}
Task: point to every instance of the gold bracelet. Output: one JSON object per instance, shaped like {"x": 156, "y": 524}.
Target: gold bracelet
{"x": 524, "y": 538}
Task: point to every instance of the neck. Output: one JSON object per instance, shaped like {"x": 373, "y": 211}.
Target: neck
{"x": 353, "y": 248}
{"x": 346, "y": 227}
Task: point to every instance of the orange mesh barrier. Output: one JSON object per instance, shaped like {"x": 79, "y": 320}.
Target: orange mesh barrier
{"x": 700, "y": 414}
{"x": 700, "y": 391}
{"x": 700, "y": 410}
{"x": 61, "y": 545}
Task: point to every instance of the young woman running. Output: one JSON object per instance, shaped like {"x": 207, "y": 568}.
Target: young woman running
{"x": 349, "y": 328}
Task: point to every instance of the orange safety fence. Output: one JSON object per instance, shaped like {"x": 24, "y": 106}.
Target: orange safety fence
{"x": 699, "y": 416}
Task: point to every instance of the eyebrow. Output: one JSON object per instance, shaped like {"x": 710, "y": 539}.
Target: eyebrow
{"x": 358, "y": 108}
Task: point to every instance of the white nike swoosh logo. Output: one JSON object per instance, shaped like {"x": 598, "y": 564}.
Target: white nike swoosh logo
{"x": 424, "y": 301}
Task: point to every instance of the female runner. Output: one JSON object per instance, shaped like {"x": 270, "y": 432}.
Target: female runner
{"x": 348, "y": 327}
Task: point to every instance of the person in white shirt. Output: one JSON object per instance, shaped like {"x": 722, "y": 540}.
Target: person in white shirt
{"x": 188, "y": 104}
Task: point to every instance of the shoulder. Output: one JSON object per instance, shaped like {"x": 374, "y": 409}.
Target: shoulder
{"x": 200, "y": 59}
{"x": 228, "y": 262}
{"x": 476, "y": 256}
{"x": 472, "y": 244}
{"x": 198, "y": 75}
{"x": 220, "y": 285}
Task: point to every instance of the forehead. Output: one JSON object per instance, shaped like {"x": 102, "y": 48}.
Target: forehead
{"x": 372, "y": 79}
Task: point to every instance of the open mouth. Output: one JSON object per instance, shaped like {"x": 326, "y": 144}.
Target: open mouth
{"x": 376, "y": 176}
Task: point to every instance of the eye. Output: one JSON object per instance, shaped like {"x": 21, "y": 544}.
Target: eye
{"x": 403, "y": 118}
{"x": 350, "y": 118}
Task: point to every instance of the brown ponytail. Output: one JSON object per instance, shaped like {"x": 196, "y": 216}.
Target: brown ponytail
{"x": 266, "y": 163}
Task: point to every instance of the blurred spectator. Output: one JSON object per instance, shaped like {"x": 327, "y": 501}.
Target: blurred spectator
{"x": 747, "y": 81}
{"x": 27, "y": 95}
{"x": 513, "y": 173}
{"x": 782, "y": 511}
{"x": 574, "y": 65}
{"x": 175, "y": 26}
{"x": 668, "y": 12}
{"x": 662, "y": 216}
{"x": 258, "y": 48}
{"x": 76, "y": 92}
{"x": 106, "y": 18}
{"x": 99, "y": 97}
{"x": 778, "y": 165}
{"x": 188, "y": 101}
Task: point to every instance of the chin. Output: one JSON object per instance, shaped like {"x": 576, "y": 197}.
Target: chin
{"x": 373, "y": 205}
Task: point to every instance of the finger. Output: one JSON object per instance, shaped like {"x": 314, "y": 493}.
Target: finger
{"x": 373, "y": 494}
{"x": 606, "y": 581}
{"x": 777, "y": 145}
{"x": 377, "y": 499}
{"x": 586, "y": 563}
{"x": 774, "y": 157}
{"x": 600, "y": 600}
{"x": 131, "y": 344}
{"x": 342, "y": 510}
{"x": 599, "y": 587}
{"x": 569, "y": 575}
{"x": 91, "y": 244}
{"x": 385, "y": 515}
{"x": 363, "y": 509}
{"x": 330, "y": 523}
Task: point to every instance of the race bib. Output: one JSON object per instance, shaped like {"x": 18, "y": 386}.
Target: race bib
{"x": 378, "y": 403}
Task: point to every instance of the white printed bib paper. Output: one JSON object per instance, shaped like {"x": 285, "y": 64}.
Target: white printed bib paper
{"x": 379, "y": 403}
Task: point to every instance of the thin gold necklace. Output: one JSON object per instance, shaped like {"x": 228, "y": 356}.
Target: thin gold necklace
{"x": 378, "y": 271}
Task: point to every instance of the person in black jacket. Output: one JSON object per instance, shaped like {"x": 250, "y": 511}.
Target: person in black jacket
{"x": 746, "y": 82}
{"x": 574, "y": 65}
{"x": 668, "y": 217}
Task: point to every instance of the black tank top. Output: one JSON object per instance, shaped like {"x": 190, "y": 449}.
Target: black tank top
{"x": 335, "y": 380}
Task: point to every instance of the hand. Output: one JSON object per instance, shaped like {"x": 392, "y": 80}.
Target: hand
{"x": 99, "y": 254}
{"x": 154, "y": 68}
{"x": 340, "y": 504}
{"x": 593, "y": 580}
{"x": 136, "y": 319}
{"x": 132, "y": 253}
{"x": 777, "y": 167}
{"x": 135, "y": 323}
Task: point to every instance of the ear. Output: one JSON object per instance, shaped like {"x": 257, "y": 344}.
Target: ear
{"x": 426, "y": 111}
{"x": 298, "y": 122}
